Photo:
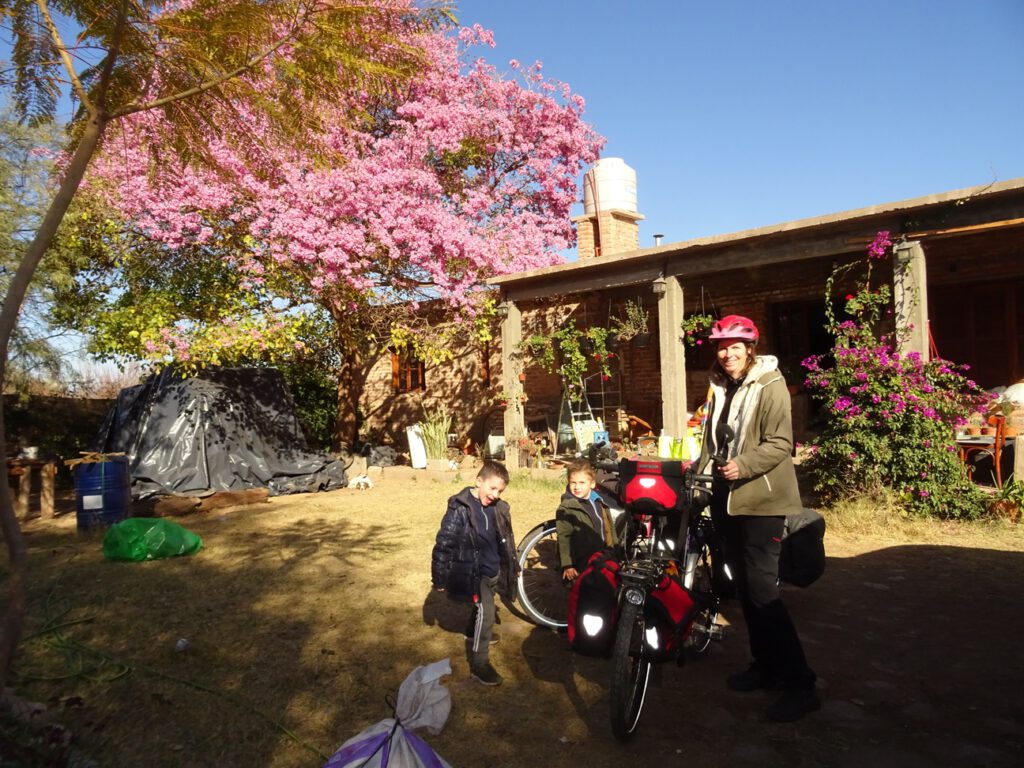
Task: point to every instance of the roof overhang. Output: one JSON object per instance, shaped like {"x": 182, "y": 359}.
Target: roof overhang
{"x": 991, "y": 206}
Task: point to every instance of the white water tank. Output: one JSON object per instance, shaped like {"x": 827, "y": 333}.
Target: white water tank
{"x": 610, "y": 184}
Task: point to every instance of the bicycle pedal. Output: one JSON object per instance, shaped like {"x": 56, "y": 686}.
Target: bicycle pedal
{"x": 717, "y": 631}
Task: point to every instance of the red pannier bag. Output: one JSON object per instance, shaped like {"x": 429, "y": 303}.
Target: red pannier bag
{"x": 652, "y": 487}
{"x": 668, "y": 617}
{"x": 594, "y": 607}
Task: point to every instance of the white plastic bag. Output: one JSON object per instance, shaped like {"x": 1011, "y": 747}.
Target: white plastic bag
{"x": 422, "y": 703}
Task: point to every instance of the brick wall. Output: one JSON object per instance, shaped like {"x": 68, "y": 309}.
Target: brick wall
{"x": 751, "y": 292}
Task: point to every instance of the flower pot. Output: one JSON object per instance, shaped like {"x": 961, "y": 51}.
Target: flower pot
{"x": 988, "y": 431}
{"x": 642, "y": 340}
{"x": 1006, "y": 509}
{"x": 522, "y": 377}
{"x": 973, "y": 431}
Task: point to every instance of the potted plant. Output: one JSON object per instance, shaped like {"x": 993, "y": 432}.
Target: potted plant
{"x": 1008, "y": 500}
{"x": 503, "y": 398}
{"x": 975, "y": 422}
{"x": 435, "y": 427}
{"x": 694, "y": 326}
{"x": 569, "y": 352}
{"x": 1005, "y": 408}
{"x": 632, "y": 324}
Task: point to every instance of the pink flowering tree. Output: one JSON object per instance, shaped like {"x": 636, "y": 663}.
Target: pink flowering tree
{"x": 196, "y": 67}
{"x": 891, "y": 417}
{"x": 377, "y": 222}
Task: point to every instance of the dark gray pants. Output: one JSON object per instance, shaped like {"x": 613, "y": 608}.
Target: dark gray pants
{"x": 752, "y": 547}
{"x": 483, "y": 623}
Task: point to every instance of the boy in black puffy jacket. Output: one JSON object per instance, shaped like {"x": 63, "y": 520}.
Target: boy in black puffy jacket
{"x": 474, "y": 558}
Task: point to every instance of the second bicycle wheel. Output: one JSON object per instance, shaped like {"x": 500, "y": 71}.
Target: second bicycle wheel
{"x": 705, "y": 623}
{"x": 541, "y": 591}
{"x": 631, "y": 672}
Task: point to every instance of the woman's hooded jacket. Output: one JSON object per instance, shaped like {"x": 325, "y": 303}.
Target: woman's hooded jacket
{"x": 760, "y": 415}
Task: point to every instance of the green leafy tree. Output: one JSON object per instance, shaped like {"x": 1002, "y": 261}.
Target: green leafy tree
{"x": 193, "y": 64}
{"x": 27, "y": 154}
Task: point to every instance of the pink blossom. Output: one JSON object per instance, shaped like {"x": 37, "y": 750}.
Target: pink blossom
{"x": 393, "y": 216}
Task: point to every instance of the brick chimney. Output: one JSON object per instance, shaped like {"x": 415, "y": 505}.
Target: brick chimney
{"x": 609, "y": 223}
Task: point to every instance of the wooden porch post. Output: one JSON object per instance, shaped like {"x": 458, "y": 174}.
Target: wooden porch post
{"x": 910, "y": 297}
{"x": 673, "y": 359}
{"x": 511, "y": 366}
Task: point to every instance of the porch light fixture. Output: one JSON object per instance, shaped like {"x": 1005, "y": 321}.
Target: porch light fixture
{"x": 501, "y": 310}
{"x": 659, "y": 286}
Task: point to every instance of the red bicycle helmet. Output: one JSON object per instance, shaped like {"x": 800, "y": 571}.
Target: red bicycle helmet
{"x": 734, "y": 327}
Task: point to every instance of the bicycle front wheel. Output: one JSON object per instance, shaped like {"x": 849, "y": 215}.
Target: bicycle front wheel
{"x": 540, "y": 589}
{"x": 631, "y": 672}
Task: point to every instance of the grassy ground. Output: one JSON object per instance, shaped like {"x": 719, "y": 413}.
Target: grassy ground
{"x": 301, "y": 614}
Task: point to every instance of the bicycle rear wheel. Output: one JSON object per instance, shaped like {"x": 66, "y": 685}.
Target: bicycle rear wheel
{"x": 541, "y": 592}
{"x": 631, "y": 672}
{"x": 705, "y": 623}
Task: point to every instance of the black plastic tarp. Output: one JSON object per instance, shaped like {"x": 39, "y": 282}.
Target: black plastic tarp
{"x": 224, "y": 429}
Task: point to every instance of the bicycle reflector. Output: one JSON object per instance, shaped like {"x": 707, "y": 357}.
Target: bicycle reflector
{"x": 651, "y": 633}
{"x": 592, "y": 624}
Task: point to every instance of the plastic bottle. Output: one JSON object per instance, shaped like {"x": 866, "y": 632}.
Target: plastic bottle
{"x": 665, "y": 445}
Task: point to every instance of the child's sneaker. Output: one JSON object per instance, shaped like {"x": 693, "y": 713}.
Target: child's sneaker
{"x": 486, "y": 674}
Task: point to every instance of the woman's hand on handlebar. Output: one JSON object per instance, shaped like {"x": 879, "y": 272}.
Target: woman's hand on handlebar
{"x": 730, "y": 470}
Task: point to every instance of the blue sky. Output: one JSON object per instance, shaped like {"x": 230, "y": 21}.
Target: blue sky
{"x": 737, "y": 114}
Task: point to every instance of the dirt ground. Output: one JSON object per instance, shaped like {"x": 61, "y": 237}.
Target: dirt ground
{"x": 310, "y": 609}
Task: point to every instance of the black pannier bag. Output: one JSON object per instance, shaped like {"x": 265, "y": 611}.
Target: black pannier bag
{"x": 593, "y": 607}
{"x": 802, "y": 559}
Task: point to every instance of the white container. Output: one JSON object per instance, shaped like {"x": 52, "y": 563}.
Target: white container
{"x": 664, "y": 446}
{"x": 610, "y": 184}
{"x": 417, "y": 448}
{"x": 495, "y": 446}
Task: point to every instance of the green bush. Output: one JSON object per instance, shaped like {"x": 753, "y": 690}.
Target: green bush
{"x": 315, "y": 392}
{"x": 891, "y": 417}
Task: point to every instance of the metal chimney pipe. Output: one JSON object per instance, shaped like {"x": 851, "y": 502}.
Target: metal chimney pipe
{"x": 657, "y": 239}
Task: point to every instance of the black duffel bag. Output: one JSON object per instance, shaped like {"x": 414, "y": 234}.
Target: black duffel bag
{"x": 802, "y": 559}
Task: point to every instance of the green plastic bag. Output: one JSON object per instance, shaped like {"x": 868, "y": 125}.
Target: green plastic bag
{"x": 145, "y": 538}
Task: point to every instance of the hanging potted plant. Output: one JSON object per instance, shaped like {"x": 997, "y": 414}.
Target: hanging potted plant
{"x": 569, "y": 352}
{"x": 694, "y": 328}
{"x": 632, "y": 324}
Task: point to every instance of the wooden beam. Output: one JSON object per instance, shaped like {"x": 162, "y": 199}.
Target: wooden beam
{"x": 48, "y": 472}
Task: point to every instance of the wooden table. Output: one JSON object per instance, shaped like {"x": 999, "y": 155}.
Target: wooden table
{"x": 22, "y": 470}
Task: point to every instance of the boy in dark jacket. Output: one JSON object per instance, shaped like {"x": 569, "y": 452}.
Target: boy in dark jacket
{"x": 583, "y": 522}
{"x": 474, "y": 558}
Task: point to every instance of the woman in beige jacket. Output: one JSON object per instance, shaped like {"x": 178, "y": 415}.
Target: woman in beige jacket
{"x": 756, "y": 489}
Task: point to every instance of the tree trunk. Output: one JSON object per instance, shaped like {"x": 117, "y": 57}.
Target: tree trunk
{"x": 14, "y": 620}
{"x": 351, "y": 384}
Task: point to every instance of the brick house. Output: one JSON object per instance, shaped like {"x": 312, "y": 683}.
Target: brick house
{"x": 961, "y": 264}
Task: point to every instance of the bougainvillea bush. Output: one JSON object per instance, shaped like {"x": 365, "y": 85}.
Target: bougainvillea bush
{"x": 891, "y": 417}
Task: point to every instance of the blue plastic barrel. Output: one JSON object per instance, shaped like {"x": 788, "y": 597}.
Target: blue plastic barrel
{"x": 103, "y": 492}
